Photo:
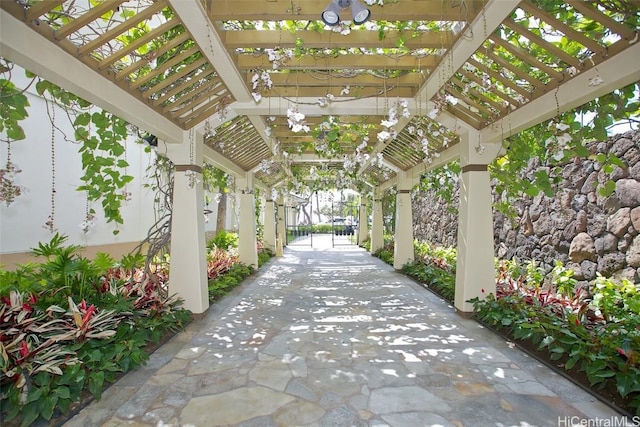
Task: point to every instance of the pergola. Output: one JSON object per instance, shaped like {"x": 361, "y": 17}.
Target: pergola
{"x": 263, "y": 87}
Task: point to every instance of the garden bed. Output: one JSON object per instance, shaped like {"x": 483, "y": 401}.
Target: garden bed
{"x": 607, "y": 395}
{"x": 588, "y": 334}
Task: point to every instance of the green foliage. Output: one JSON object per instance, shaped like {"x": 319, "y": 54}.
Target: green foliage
{"x": 214, "y": 179}
{"x": 257, "y": 211}
{"x": 435, "y": 267}
{"x": 385, "y": 253}
{"x": 53, "y": 348}
{"x": 222, "y": 284}
{"x": 264, "y": 255}
{"x": 596, "y": 332}
{"x": 224, "y": 240}
{"x": 443, "y": 182}
{"x": 102, "y": 137}
{"x": 557, "y": 140}
{"x": 12, "y": 109}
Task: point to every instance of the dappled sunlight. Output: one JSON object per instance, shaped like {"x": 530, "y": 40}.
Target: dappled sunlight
{"x": 325, "y": 330}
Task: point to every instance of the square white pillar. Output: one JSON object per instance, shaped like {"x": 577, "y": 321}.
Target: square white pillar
{"x": 363, "y": 222}
{"x": 475, "y": 271}
{"x": 377, "y": 229}
{"x": 247, "y": 237}
{"x": 188, "y": 264}
{"x": 403, "y": 246}
{"x": 269, "y": 223}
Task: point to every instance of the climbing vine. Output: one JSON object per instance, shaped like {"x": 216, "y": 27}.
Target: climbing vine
{"x": 102, "y": 138}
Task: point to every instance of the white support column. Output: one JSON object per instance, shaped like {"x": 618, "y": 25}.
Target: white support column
{"x": 363, "y": 221}
{"x": 247, "y": 238}
{"x": 475, "y": 272}
{"x": 403, "y": 247}
{"x": 188, "y": 265}
{"x": 281, "y": 228}
{"x": 269, "y": 223}
{"x": 377, "y": 229}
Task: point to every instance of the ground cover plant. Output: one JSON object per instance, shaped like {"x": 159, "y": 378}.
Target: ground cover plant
{"x": 224, "y": 270}
{"x": 70, "y": 325}
{"x": 590, "y": 331}
{"x": 435, "y": 267}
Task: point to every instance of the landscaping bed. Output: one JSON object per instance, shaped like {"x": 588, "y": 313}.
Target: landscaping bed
{"x": 590, "y": 334}
{"x": 72, "y": 326}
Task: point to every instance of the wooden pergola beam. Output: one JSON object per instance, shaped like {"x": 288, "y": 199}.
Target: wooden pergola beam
{"x": 340, "y": 62}
{"x": 267, "y": 39}
{"x": 310, "y": 10}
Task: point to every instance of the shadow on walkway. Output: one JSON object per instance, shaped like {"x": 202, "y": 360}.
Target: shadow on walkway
{"x": 335, "y": 337}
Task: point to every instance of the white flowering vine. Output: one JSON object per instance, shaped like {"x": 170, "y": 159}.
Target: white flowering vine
{"x": 193, "y": 178}
{"x": 400, "y": 108}
{"x": 296, "y": 120}
{"x": 9, "y": 191}
{"x": 88, "y": 223}
{"x": 259, "y": 82}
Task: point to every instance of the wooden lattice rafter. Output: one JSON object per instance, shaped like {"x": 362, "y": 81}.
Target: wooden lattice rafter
{"x": 517, "y": 65}
{"x": 490, "y": 70}
{"x": 161, "y": 62}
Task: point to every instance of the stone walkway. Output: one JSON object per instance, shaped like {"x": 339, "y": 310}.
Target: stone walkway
{"x": 335, "y": 337}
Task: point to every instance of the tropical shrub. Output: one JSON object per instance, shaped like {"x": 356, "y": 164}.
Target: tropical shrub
{"x": 69, "y": 325}
{"x": 435, "y": 267}
{"x": 224, "y": 240}
{"x": 221, "y": 284}
{"x": 264, "y": 254}
{"x": 592, "y": 330}
{"x": 385, "y": 253}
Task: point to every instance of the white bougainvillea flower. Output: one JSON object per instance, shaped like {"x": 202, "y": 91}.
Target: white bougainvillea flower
{"x": 389, "y": 123}
{"x": 564, "y": 139}
{"x": 383, "y": 136}
{"x": 451, "y": 99}
{"x": 562, "y": 126}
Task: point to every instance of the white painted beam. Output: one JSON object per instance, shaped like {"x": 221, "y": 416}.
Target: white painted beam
{"x": 619, "y": 71}
{"x": 388, "y": 184}
{"x": 495, "y": 11}
{"x": 193, "y": 14}
{"x": 27, "y": 48}
{"x": 447, "y": 156}
{"x": 221, "y": 162}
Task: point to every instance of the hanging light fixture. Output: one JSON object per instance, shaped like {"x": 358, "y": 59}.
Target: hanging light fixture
{"x": 359, "y": 13}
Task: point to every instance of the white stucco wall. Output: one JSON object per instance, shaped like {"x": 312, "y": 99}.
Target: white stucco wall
{"x": 22, "y": 223}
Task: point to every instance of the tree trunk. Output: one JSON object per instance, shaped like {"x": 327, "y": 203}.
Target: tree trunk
{"x": 318, "y": 208}
{"x": 221, "y": 219}
{"x": 307, "y": 217}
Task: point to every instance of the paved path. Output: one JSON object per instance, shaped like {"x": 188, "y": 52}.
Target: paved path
{"x": 335, "y": 337}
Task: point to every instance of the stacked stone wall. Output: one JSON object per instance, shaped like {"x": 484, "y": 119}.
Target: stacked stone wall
{"x": 588, "y": 232}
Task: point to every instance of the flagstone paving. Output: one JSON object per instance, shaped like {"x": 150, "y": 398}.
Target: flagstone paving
{"x": 335, "y": 337}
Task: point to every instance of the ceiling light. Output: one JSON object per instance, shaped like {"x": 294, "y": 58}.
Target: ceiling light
{"x": 331, "y": 15}
{"x": 359, "y": 13}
